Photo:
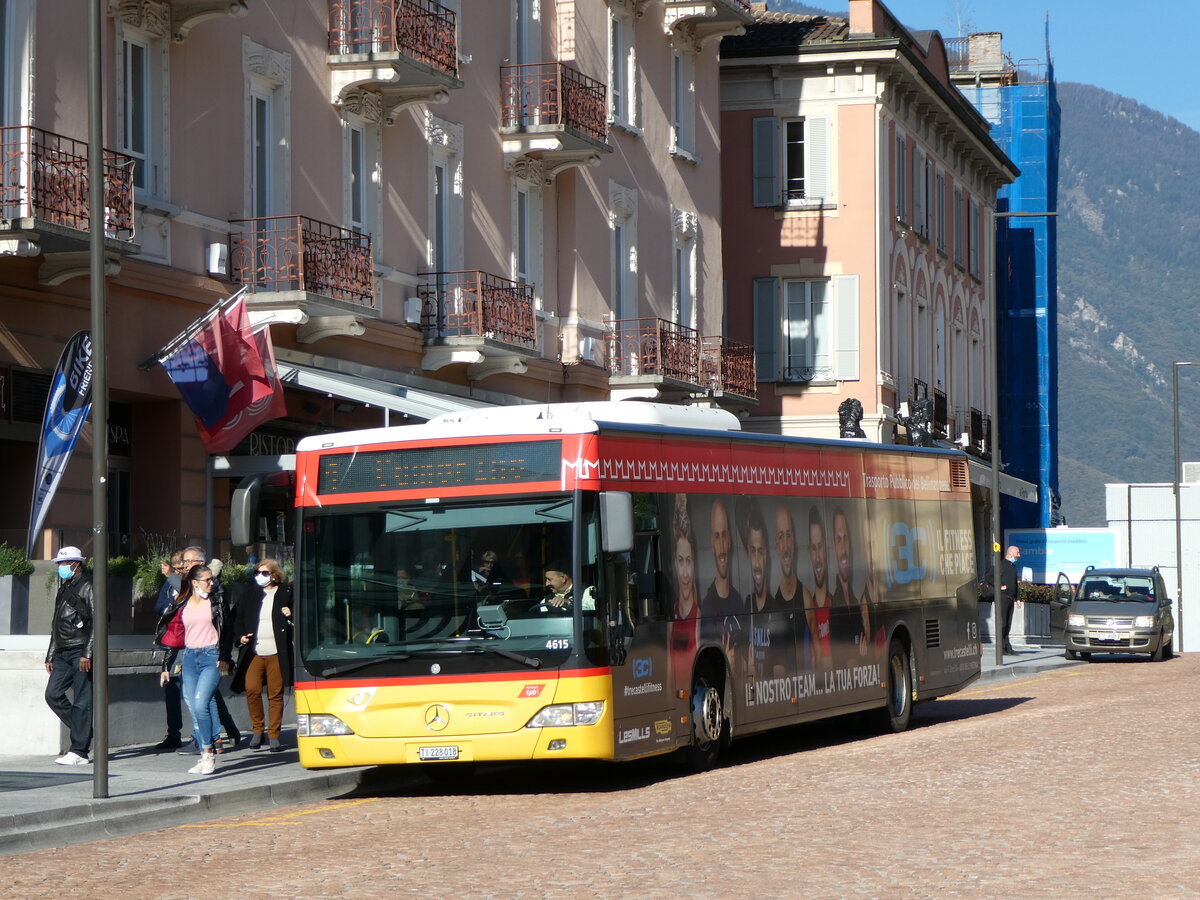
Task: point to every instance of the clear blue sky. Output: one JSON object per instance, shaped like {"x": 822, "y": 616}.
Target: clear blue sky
{"x": 1146, "y": 51}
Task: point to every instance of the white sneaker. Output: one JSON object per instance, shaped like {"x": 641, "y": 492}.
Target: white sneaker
{"x": 71, "y": 758}
{"x": 206, "y": 766}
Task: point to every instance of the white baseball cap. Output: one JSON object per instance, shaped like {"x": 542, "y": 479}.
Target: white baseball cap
{"x": 68, "y": 554}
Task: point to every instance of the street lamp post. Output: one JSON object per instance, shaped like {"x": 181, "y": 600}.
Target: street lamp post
{"x": 1178, "y": 478}
{"x": 994, "y": 432}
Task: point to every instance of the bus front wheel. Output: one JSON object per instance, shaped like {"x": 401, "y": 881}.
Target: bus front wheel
{"x": 708, "y": 722}
{"x": 896, "y": 715}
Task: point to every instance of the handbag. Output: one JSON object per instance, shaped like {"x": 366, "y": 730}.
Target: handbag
{"x": 173, "y": 636}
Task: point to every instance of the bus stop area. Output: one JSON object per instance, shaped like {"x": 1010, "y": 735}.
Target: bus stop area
{"x": 45, "y": 805}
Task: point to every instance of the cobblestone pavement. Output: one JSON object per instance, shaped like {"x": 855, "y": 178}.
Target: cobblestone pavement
{"x": 1078, "y": 781}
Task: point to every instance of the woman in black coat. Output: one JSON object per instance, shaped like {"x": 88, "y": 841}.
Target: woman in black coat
{"x": 262, "y": 622}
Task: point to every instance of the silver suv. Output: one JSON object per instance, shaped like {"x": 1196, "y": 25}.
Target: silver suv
{"x": 1117, "y": 611}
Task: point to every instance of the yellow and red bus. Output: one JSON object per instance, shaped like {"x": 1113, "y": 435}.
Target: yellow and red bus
{"x": 616, "y": 580}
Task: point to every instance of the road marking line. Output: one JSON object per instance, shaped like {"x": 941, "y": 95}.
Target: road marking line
{"x": 1011, "y": 684}
{"x": 283, "y": 819}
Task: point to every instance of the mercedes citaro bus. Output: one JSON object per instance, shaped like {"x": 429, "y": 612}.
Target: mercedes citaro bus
{"x": 616, "y": 580}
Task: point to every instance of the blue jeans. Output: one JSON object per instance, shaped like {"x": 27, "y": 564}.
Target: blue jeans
{"x": 75, "y": 713}
{"x": 200, "y": 680}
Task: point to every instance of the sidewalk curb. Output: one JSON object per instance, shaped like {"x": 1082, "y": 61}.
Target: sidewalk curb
{"x": 1015, "y": 670}
{"x": 104, "y": 818}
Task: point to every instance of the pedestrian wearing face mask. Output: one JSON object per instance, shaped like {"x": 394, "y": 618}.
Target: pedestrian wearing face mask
{"x": 69, "y": 657}
{"x": 207, "y": 641}
{"x": 263, "y": 629}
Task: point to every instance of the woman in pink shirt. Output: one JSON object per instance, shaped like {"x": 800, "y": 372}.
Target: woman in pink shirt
{"x": 206, "y": 657}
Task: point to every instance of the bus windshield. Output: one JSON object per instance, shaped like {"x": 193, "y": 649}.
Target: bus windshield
{"x": 435, "y": 581}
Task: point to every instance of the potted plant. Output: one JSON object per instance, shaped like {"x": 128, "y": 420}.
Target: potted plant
{"x": 1036, "y": 601}
{"x": 15, "y": 569}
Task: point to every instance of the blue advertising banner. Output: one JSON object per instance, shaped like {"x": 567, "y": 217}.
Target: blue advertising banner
{"x": 1049, "y": 551}
{"x": 67, "y": 408}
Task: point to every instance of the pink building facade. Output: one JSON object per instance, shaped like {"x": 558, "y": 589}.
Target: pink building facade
{"x": 858, "y": 189}
{"x": 432, "y": 206}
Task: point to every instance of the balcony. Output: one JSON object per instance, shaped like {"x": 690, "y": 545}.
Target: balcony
{"x": 980, "y": 434}
{"x": 941, "y": 415}
{"x": 479, "y": 319}
{"x": 554, "y": 114}
{"x": 309, "y": 273}
{"x": 45, "y": 196}
{"x": 703, "y": 20}
{"x": 405, "y": 51}
{"x": 654, "y": 359}
{"x": 727, "y": 370}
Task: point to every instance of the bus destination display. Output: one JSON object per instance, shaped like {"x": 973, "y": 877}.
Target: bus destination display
{"x": 432, "y": 468}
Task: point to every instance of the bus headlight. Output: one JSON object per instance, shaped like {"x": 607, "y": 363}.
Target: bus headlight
{"x": 320, "y": 726}
{"x": 1076, "y": 621}
{"x": 568, "y": 714}
{"x": 1143, "y": 622}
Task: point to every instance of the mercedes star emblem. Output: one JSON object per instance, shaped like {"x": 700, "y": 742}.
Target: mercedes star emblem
{"x": 437, "y": 717}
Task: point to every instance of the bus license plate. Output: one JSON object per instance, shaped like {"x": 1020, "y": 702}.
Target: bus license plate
{"x": 437, "y": 753}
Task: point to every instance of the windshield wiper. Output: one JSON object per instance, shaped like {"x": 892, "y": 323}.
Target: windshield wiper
{"x": 358, "y": 664}
{"x": 507, "y": 654}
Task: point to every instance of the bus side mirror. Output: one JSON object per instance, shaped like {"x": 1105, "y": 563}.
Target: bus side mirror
{"x": 243, "y": 510}
{"x": 616, "y": 521}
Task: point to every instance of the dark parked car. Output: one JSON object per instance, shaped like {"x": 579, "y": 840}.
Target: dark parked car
{"x": 1117, "y": 611}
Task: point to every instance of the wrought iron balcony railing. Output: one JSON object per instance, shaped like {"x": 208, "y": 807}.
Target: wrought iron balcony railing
{"x": 793, "y": 372}
{"x": 654, "y": 347}
{"x": 420, "y": 29}
{"x": 44, "y": 176}
{"x": 552, "y": 94}
{"x": 477, "y": 304}
{"x": 295, "y": 253}
{"x": 941, "y": 415}
{"x": 728, "y": 366}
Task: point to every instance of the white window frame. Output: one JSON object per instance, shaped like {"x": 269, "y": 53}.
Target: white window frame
{"x": 683, "y": 103}
{"x": 771, "y": 162}
{"x": 16, "y": 62}
{"x": 959, "y": 243}
{"x": 138, "y": 27}
{"x": 445, "y": 140}
{"x": 940, "y": 214}
{"x": 939, "y": 351}
{"x": 684, "y": 275}
{"x": 901, "y": 170}
{"x": 622, "y": 70}
{"x": 777, "y": 329}
{"x": 973, "y": 238}
{"x": 526, "y": 46}
{"x": 904, "y": 368}
{"x": 527, "y": 232}
{"x": 363, "y": 174}
{"x": 268, "y": 76}
{"x": 623, "y": 256}
{"x": 807, "y": 333}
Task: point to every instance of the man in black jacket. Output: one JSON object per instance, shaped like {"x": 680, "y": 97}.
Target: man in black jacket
{"x": 1005, "y": 590}
{"x": 69, "y": 657}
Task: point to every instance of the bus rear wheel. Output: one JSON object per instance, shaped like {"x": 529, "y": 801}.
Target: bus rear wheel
{"x": 708, "y": 722}
{"x": 897, "y": 714}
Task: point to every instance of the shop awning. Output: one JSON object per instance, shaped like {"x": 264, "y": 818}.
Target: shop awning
{"x": 981, "y": 474}
{"x": 420, "y": 404}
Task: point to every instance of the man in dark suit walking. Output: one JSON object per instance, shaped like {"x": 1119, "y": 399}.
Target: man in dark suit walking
{"x": 1005, "y": 591}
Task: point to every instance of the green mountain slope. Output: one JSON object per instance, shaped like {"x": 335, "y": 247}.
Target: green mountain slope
{"x": 1128, "y": 270}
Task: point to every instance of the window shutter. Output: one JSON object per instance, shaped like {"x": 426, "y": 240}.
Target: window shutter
{"x": 765, "y": 150}
{"x": 918, "y": 190}
{"x": 845, "y": 302}
{"x": 816, "y": 158}
{"x": 766, "y": 328}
